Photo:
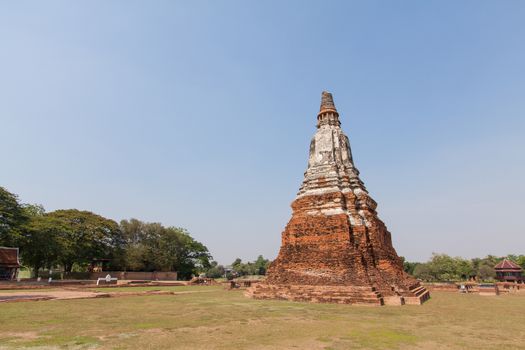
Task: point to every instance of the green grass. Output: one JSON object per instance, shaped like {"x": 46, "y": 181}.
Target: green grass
{"x": 24, "y": 273}
{"x": 222, "y": 319}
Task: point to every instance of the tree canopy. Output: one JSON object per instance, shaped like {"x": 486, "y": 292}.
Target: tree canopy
{"x": 72, "y": 238}
{"x": 84, "y": 236}
{"x": 257, "y": 267}
{"x": 12, "y": 217}
{"x": 444, "y": 268}
{"x": 153, "y": 247}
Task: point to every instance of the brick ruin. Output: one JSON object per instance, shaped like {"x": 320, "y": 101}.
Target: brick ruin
{"x": 335, "y": 248}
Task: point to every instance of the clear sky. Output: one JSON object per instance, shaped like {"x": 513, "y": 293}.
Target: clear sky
{"x": 199, "y": 114}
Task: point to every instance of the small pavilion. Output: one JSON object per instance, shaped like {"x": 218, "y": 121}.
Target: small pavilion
{"x": 9, "y": 263}
{"x": 509, "y": 271}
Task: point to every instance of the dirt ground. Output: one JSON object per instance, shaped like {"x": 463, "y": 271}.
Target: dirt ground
{"x": 40, "y": 294}
{"x": 43, "y": 294}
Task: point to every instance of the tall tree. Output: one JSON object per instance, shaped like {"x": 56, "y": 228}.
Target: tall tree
{"x": 258, "y": 267}
{"x": 521, "y": 261}
{"x": 261, "y": 265}
{"x": 84, "y": 236}
{"x": 215, "y": 270}
{"x": 153, "y": 247}
{"x": 178, "y": 251}
{"x": 12, "y": 217}
{"x": 41, "y": 246}
{"x": 141, "y": 244}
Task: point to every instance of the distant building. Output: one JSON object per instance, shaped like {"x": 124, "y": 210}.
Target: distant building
{"x": 508, "y": 271}
{"x": 98, "y": 265}
{"x": 9, "y": 263}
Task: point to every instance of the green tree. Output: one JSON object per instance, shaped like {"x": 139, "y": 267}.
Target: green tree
{"x": 237, "y": 263}
{"x": 423, "y": 272}
{"x": 261, "y": 265}
{"x": 518, "y": 259}
{"x": 136, "y": 252}
{"x": 33, "y": 210}
{"x": 258, "y": 267}
{"x": 521, "y": 261}
{"x": 83, "y": 236}
{"x": 408, "y": 266}
{"x": 12, "y": 218}
{"x": 40, "y": 246}
{"x": 142, "y": 245}
{"x": 485, "y": 272}
{"x": 444, "y": 268}
{"x": 215, "y": 270}
{"x": 463, "y": 268}
{"x": 238, "y": 267}
{"x": 484, "y": 268}
{"x": 153, "y": 247}
{"x": 178, "y": 251}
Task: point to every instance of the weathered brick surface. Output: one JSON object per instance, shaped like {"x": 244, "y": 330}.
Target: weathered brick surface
{"x": 335, "y": 248}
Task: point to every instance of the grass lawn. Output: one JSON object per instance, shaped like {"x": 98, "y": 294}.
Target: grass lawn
{"x": 222, "y": 319}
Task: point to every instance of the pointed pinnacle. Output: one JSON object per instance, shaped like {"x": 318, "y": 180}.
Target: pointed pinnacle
{"x": 327, "y": 102}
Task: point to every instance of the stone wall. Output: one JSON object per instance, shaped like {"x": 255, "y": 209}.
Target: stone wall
{"x": 136, "y": 275}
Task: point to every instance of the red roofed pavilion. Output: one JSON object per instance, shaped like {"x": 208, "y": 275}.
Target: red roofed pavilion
{"x": 9, "y": 263}
{"x": 509, "y": 271}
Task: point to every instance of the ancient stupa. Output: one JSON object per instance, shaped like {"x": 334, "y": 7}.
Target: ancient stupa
{"x": 335, "y": 248}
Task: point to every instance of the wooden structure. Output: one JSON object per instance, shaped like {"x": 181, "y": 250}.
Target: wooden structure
{"x": 9, "y": 263}
{"x": 509, "y": 271}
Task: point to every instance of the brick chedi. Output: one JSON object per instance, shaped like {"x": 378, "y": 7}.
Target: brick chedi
{"x": 335, "y": 248}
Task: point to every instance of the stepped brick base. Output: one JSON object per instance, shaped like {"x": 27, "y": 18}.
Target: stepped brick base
{"x": 353, "y": 295}
{"x": 317, "y": 294}
{"x": 420, "y": 295}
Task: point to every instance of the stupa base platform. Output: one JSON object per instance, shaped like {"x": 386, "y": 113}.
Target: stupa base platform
{"x": 417, "y": 295}
{"x": 353, "y": 295}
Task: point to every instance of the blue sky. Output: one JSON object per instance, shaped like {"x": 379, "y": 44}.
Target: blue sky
{"x": 199, "y": 114}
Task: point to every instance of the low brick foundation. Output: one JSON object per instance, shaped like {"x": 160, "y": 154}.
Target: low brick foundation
{"x": 352, "y": 295}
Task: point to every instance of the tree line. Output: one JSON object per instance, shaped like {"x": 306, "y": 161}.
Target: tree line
{"x": 444, "y": 268}
{"x": 239, "y": 268}
{"x": 73, "y": 239}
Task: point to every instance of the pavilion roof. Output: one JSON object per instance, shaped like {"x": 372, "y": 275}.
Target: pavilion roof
{"x": 9, "y": 257}
{"x": 507, "y": 265}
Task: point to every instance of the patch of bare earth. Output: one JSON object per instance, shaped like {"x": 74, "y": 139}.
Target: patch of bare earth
{"x": 22, "y": 335}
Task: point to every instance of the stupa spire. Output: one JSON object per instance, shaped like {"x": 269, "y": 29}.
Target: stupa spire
{"x": 328, "y": 114}
{"x": 327, "y": 102}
